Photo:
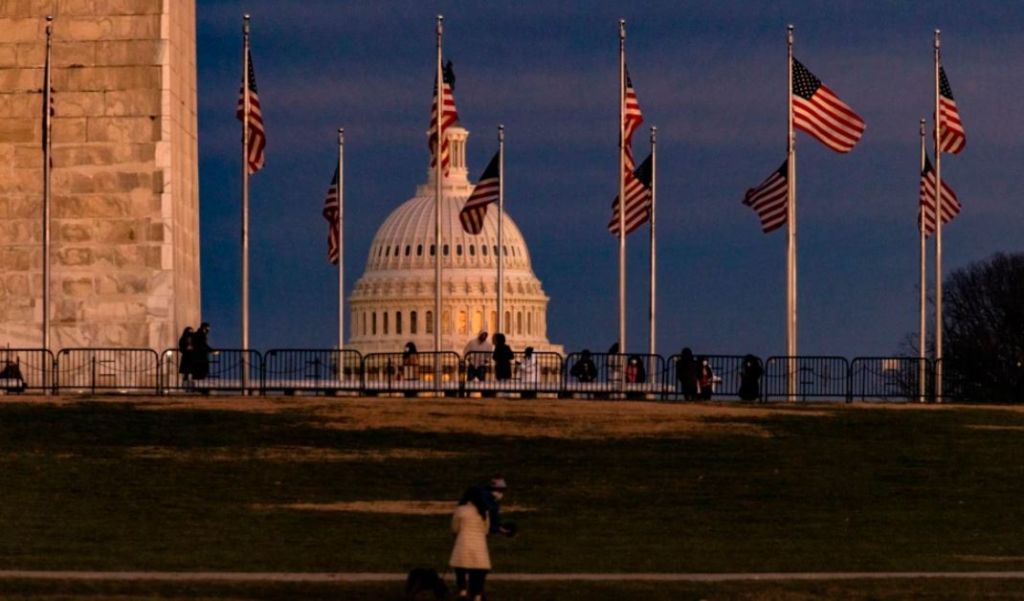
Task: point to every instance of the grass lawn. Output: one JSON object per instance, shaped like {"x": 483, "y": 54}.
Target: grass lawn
{"x": 327, "y": 485}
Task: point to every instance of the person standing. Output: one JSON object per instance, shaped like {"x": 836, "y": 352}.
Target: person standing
{"x": 410, "y": 361}
{"x": 201, "y": 350}
{"x": 476, "y": 354}
{"x": 686, "y": 374}
{"x": 186, "y": 356}
{"x": 476, "y": 516}
{"x": 707, "y": 379}
{"x": 502, "y": 356}
{"x": 750, "y": 378}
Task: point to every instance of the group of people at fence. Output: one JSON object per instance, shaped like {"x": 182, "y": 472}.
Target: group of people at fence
{"x": 194, "y": 354}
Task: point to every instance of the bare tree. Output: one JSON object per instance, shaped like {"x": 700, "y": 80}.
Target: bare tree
{"x": 984, "y": 330}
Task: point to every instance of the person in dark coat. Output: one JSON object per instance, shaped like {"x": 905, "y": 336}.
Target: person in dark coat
{"x": 186, "y": 356}
{"x": 584, "y": 369}
{"x": 686, "y": 374}
{"x": 502, "y": 356}
{"x": 201, "y": 352}
{"x": 750, "y": 378}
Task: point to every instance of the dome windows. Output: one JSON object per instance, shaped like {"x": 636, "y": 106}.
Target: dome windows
{"x": 419, "y": 250}
{"x": 407, "y": 249}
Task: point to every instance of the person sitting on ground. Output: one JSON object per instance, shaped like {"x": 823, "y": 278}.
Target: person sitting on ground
{"x": 11, "y": 372}
{"x": 584, "y": 369}
{"x": 477, "y": 354}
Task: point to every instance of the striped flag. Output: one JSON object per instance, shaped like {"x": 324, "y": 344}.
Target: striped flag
{"x": 638, "y": 200}
{"x": 637, "y": 193}
{"x": 332, "y": 213}
{"x": 484, "y": 193}
{"x": 631, "y": 120}
{"x": 257, "y": 143}
{"x": 769, "y": 199}
{"x": 950, "y": 203}
{"x": 449, "y": 117}
{"x": 819, "y": 112}
{"x": 952, "y": 138}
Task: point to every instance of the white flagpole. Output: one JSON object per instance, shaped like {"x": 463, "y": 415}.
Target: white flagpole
{"x": 341, "y": 241}
{"x": 791, "y": 349}
{"x": 245, "y": 202}
{"x": 245, "y": 184}
{"x": 938, "y": 230}
{"x": 622, "y": 186}
{"x": 501, "y": 218}
{"x": 438, "y": 197}
{"x": 922, "y": 297}
{"x": 47, "y": 147}
{"x": 653, "y": 263}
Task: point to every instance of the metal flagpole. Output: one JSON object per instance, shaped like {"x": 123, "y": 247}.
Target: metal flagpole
{"x": 501, "y": 217}
{"x": 622, "y": 186}
{"x": 245, "y": 200}
{"x": 791, "y": 349}
{"x": 245, "y": 183}
{"x": 653, "y": 264}
{"x": 922, "y": 300}
{"x": 438, "y": 197}
{"x": 938, "y": 230}
{"x": 341, "y": 241}
{"x": 47, "y": 146}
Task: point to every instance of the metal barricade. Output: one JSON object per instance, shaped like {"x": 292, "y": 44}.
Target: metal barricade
{"x": 412, "y": 373}
{"x": 26, "y": 370}
{"x": 542, "y": 373}
{"x": 727, "y": 372}
{"x": 888, "y": 378}
{"x": 107, "y": 370}
{"x": 818, "y": 378}
{"x": 315, "y": 370}
{"x": 231, "y": 370}
{"x": 614, "y": 375}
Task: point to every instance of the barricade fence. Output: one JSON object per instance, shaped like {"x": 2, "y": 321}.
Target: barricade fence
{"x": 412, "y": 372}
{"x": 26, "y": 370}
{"x": 631, "y": 376}
{"x": 107, "y": 370}
{"x": 806, "y": 378}
{"x": 316, "y": 370}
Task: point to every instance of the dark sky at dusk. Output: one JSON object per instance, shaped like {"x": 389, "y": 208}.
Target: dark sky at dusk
{"x": 710, "y": 75}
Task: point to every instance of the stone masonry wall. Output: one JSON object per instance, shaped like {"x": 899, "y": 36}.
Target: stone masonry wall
{"x": 124, "y": 228}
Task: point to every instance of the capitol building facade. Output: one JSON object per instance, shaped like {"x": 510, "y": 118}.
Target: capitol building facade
{"x": 393, "y": 301}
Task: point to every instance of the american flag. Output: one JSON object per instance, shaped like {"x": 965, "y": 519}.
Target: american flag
{"x": 950, "y": 203}
{"x": 257, "y": 143}
{"x": 636, "y": 192}
{"x": 638, "y": 200}
{"x": 631, "y": 120}
{"x": 331, "y": 213}
{"x": 819, "y": 112}
{"x": 952, "y": 138}
{"x": 484, "y": 193}
{"x": 770, "y": 199}
{"x": 449, "y": 117}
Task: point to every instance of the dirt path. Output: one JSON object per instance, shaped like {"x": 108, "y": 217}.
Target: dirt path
{"x": 314, "y": 577}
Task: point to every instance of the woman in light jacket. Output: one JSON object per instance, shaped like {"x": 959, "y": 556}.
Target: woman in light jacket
{"x": 470, "y": 558}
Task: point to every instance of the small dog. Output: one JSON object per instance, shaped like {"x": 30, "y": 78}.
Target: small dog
{"x": 424, "y": 584}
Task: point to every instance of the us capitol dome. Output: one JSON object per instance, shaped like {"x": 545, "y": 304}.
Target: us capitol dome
{"x": 393, "y": 301}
